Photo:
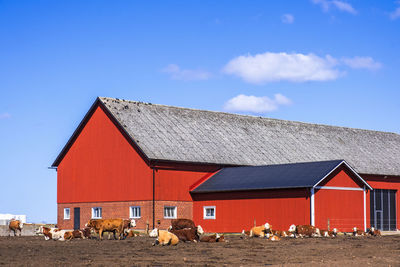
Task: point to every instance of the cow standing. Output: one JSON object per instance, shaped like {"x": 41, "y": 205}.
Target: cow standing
{"x": 15, "y": 225}
{"x": 107, "y": 225}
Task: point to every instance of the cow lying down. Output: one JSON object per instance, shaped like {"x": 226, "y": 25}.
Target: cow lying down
{"x": 164, "y": 237}
{"x": 257, "y": 231}
{"x": 188, "y": 234}
{"x": 62, "y": 235}
{"x": 304, "y": 230}
{"x": 213, "y": 238}
{"x": 54, "y": 233}
{"x": 327, "y": 233}
{"x": 357, "y": 232}
{"x": 374, "y": 232}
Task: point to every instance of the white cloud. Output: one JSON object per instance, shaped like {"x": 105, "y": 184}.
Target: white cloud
{"x": 270, "y": 67}
{"x": 5, "y": 116}
{"x": 287, "y": 18}
{"x": 326, "y": 5}
{"x": 395, "y": 14}
{"x": 176, "y": 73}
{"x": 362, "y": 63}
{"x": 255, "y": 104}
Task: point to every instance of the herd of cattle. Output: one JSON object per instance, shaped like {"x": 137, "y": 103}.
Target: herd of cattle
{"x": 180, "y": 230}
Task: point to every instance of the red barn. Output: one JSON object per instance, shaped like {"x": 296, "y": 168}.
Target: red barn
{"x": 149, "y": 162}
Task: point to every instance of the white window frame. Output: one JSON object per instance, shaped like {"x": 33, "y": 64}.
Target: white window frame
{"x": 205, "y": 217}
{"x": 175, "y": 212}
{"x": 131, "y": 208}
{"x": 93, "y": 213}
{"x": 67, "y": 216}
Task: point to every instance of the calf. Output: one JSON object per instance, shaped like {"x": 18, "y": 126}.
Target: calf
{"x": 78, "y": 234}
{"x": 374, "y": 232}
{"x": 357, "y": 232}
{"x": 131, "y": 233}
{"x": 304, "y": 230}
{"x": 15, "y": 225}
{"x": 165, "y": 238}
{"x": 186, "y": 234}
{"x": 212, "y": 238}
{"x": 178, "y": 224}
{"x": 281, "y": 233}
{"x": 326, "y": 233}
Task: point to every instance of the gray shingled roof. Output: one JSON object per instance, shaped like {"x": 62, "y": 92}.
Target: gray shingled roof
{"x": 188, "y": 135}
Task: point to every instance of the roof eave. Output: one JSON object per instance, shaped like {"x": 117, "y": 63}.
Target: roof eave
{"x": 250, "y": 189}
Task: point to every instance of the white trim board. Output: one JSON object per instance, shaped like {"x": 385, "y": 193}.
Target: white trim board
{"x": 312, "y": 208}
{"x": 339, "y": 188}
{"x": 351, "y": 169}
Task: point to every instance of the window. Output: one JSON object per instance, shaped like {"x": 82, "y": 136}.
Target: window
{"x": 209, "y": 212}
{"x": 169, "y": 212}
{"x": 96, "y": 213}
{"x": 134, "y": 212}
{"x": 66, "y": 214}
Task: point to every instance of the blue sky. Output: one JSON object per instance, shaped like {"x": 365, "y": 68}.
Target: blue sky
{"x": 319, "y": 61}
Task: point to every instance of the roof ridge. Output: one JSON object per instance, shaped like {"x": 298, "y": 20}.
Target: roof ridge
{"x": 251, "y": 116}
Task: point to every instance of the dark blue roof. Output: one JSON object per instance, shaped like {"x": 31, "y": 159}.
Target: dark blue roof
{"x": 294, "y": 175}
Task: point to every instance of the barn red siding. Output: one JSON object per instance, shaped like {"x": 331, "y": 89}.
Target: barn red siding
{"x": 341, "y": 177}
{"x": 175, "y": 184}
{"x": 236, "y": 211}
{"x": 343, "y": 208}
{"x": 101, "y": 165}
{"x": 379, "y": 182}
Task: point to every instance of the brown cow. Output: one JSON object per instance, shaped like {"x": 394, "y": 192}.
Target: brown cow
{"x": 82, "y": 233}
{"x": 192, "y": 234}
{"x": 178, "y": 224}
{"x": 357, "y": 232}
{"x": 326, "y": 233}
{"x": 131, "y": 233}
{"x": 304, "y": 230}
{"x": 212, "y": 238}
{"x": 258, "y": 231}
{"x": 281, "y": 233}
{"x": 165, "y": 238}
{"x": 107, "y": 225}
{"x": 46, "y": 231}
{"x": 374, "y": 232}
{"x": 15, "y": 225}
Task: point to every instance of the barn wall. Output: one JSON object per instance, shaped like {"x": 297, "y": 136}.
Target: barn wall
{"x": 102, "y": 166}
{"x": 342, "y": 177}
{"x": 236, "y": 211}
{"x": 175, "y": 184}
{"x": 121, "y": 210}
{"x": 379, "y": 182}
{"x": 343, "y": 208}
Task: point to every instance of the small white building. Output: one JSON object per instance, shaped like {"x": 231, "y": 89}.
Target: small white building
{"x": 6, "y": 218}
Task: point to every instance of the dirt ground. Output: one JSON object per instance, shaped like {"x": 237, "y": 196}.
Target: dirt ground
{"x": 138, "y": 251}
